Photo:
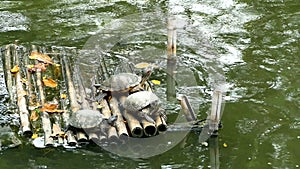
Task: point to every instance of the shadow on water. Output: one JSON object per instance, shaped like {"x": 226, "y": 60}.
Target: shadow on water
{"x": 255, "y": 45}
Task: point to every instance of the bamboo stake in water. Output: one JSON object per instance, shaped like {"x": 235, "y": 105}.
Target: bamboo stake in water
{"x": 171, "y": 60}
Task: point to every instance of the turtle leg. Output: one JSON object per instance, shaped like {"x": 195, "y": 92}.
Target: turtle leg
{"x": 148, "y": 118}
{"x": 145, "y": 113}
{"x": 100, "y": 96}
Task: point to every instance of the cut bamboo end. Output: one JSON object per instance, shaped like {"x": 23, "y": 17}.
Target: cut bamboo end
{"x": 161, "y": 124}
{"x": 187, "y": 108}
{"x": 81, "y": 137}
{"x": 149, "y": 128}
{"x": 134, "y": 125}
{"x": 112, "y": 135}
{"x": 71, "y": 140}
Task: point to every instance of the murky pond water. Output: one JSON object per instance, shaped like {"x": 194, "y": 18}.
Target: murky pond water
{"x": 253, "y": 44}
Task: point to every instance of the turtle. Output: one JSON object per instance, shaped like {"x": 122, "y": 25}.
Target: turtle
{"x": 85, "y": 119}
{"x": 122, "y": 82}
{"x": 145, "y": 103}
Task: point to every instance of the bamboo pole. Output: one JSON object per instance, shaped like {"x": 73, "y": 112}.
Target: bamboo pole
{"x": 21, "y": 101}
{"x": 105, "y": 130}
{"x": 112, "y": 135}
{"x": 81, "y": 137}
{"x": 214, "y": 154}
{"x": 134, "y": 125}
{"x": 121, "y": 127}
{"x": 149, "y": 128}
{"x": 215, "y": 115}
{"x": 171, "y": 59}
{"x": 44, "y": 115}
{"x": 161, "y": 124}
{"x": 48, "y": 140}
{"x": 8, "y": 66}
{"x": 66, "y": 114}
{"x": 71, "y": 140}
{"x": 73, "y": 100}
{"x": 187, "y": 108}
{"x": 4, "y": 95}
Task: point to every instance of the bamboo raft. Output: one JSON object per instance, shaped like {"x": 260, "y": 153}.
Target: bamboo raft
{"x": 46, "y": 88}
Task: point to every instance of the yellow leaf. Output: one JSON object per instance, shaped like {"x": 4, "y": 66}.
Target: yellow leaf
{"x": 63, "y": 96}
{"x": 156, "y": 82}
{"x": 34, "y": 136}
{"x": 225, "y": 145}
{"x": 15, "y": 69}
{"x": 142, "y": 65}
{"x": 49, "y": 82}
{"x": 24, "y": 80}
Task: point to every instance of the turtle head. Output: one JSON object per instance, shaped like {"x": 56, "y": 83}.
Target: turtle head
{"x": 146, "y": 73}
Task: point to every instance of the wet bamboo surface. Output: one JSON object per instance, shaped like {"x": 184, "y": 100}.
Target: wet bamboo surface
{"x": 45, "y": 109}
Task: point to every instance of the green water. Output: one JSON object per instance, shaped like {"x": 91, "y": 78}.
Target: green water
{"x": 256, "y": 46}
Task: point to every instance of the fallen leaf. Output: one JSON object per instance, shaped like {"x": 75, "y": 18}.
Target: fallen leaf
{"x": 49, "y": 82}
{"x": 142, "y": 65}
{"x": 63, "y": 96}
{"x": 34, "y": 115}
{"x": 156, "y": 82}
{"x": 51, "y": 108}
{"x": 41, "y": 67}
{"x": 40, "y": 57}
{"x": 225, "y": 145}
{"x": 34, "y": 136}
{"x": 15, "y": 69}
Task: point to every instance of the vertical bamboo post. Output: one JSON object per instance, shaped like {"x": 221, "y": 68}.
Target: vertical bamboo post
{"x": 214, "y": 153}
{"x": 171, "y": 59}
{"x": 215, "y": 115}
{"x": 187, "y": 109}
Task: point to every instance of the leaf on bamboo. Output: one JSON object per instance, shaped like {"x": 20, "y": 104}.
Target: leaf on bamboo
{"x": 41, "y": 57}
{"x": 51, "y": 108}
{"x": 49, "y": 82}
{"x": 34, "y": 136}
{"x": 15, "y": 69}
{"x": 34, "y": 115}
{"x": 41, "y": 67}
{"x": 156, "y": 82}
{"x": 63, "y": 96}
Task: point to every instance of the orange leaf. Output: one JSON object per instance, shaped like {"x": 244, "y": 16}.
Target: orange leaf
{"x": 40, "y": 57}
{"x": 15, "y": 69}
{"x": 51, "y": 108}
{"x": 49, "y": 82}
{"x": 34, "y": 115}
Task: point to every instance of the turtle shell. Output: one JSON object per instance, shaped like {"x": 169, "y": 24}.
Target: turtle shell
{"x": 121, "y": 82}
{"x": 86, "y": 119}
{"x": 139, "y": 100}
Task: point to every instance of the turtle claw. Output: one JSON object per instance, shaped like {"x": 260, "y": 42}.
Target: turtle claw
{"x": 148, "y": 118}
